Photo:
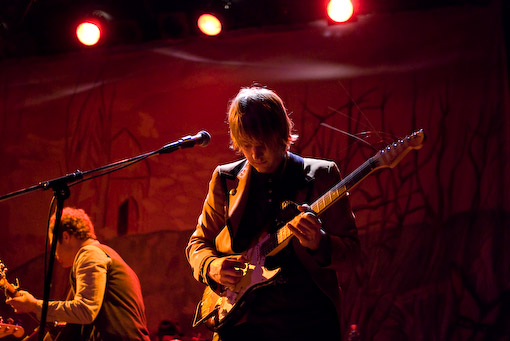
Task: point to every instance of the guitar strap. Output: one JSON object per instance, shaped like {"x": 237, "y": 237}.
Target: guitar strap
{"x": 223, "y": 180}
{"x": 301, "y": 181}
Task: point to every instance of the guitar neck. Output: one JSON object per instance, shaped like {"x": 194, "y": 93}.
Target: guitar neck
{"x": 9, "y": 289}
{"x": 341, "y": 189}
{"x": 386, "y": 157}
{"x": 283, "y": 234}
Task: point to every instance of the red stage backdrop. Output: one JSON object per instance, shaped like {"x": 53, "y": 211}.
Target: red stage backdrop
{"x": 434, "y": 230}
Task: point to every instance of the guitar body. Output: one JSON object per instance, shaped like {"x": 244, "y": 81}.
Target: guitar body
{"x": 217, "y": 309}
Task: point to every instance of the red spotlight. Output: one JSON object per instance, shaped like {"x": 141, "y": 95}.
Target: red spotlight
{"x": 88, "y": 33}
{"x": 340, "y": 10}
{"x": 209, "y": 24}
{"x": 93, "y": 27}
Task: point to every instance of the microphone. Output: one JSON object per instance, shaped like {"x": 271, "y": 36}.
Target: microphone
{"x": 202, "y": 139}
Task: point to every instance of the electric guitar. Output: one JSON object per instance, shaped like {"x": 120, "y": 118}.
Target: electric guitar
{"x": 57, "y": 331}
{"x": 9, "y": 289}
{"x": 215, "y": 310}
{"x": 8, "y": 328}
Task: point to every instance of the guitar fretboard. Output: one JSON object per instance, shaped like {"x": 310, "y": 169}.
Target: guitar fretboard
{"x": 279, "y": 239}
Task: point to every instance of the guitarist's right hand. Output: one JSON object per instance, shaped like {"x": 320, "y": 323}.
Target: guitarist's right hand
{"x": 228, "y": 270}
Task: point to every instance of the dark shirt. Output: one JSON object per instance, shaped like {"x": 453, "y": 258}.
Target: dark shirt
{"x": 291, "y": 307}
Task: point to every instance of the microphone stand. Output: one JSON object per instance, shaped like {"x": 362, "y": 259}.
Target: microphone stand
{"x": 61, "y": 192}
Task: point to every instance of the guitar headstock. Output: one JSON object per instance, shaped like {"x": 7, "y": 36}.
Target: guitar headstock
{"x": 11, "y": 329}
{"x": 3, "y": 270}
{"x": 391, "y": 155}
{"x": 9, "y": 289}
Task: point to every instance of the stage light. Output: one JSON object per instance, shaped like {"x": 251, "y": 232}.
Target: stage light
{"x": 93, "y": 27}
{"x": 340, "y": 10}
{"x": 88, "y": 33}
{"x": 209, "y": 25}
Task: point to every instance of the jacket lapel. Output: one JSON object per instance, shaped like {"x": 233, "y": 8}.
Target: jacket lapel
{"x": 236, "y": 181}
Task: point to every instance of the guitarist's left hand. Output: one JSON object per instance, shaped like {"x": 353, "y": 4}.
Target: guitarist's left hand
{"x": 23, "y": 302}
{"x": 306, "y": 226}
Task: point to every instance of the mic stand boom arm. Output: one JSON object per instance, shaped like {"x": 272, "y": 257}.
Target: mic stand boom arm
{"x": 185, "y": 142}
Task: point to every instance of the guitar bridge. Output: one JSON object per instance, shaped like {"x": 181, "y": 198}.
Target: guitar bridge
{"x": 198, "y": 312}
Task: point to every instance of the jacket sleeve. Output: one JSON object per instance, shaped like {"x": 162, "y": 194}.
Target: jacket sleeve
{"x": 201, "y": 249}
{"x": 90, "y": 268}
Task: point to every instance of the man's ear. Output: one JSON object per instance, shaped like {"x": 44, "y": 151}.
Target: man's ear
{"x": 65, "y": 236}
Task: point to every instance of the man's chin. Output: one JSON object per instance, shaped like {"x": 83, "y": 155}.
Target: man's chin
{"x": 264, "y": 168}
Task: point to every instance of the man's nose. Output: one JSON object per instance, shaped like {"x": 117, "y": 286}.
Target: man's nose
{"x": 258, "y": 152}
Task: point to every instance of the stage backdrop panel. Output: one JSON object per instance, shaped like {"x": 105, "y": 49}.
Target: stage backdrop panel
{"x": 434, "y": 229}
